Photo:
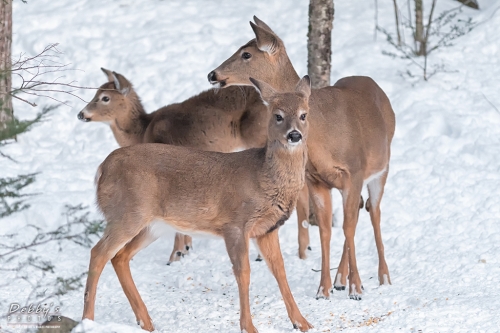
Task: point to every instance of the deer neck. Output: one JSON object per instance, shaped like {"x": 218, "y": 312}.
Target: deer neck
{"x": 286, "y": 78}
{"x": 130, "y": 128}
{"x": 284, "y": 174}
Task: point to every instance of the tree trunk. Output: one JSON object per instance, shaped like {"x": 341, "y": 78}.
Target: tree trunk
{"x": 6, "y": 113}
{"x": 319, "y": 52}
{"x": 419, "y": 27}
{"x": 396, "y": 15}
{"x": 319, "y": 42}
{"x": 470, "y": 3}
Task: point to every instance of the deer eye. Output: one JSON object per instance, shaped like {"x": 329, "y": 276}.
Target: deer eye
{"x": 303, "y": 116}
{"x": 279, "y": 118}
{"x": 105, "y": 99}
{"x": 246, "y": 55}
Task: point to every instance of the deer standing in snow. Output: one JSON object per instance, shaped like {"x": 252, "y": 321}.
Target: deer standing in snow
{"x": 144, "y": 190}
{"x": 224, "y": 121}
{"x": 352, "y": 126}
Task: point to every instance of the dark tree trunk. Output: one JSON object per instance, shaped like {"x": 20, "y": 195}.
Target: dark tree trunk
{"x": 419, "y": 27}
{"x": 470, "y": 3}
{"x": 6, "y": 112}
{"x": 319, "y": 42}
{"x": 319, "y": 51}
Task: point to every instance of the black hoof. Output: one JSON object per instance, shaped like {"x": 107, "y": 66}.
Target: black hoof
{"x": 295, "y": 326}
{"x": 168, "y": 263}
{"x": 179, "y": 254}
{"x": 187, "y": 247}
{"x": 309, "y": 248}
{"x": 339, "y": 288}
{"x": 258, "y": 259}
{"x": 355, "y": 297}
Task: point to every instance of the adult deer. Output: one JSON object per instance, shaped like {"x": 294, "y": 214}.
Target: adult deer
{"x": 352, "y": 125}
{"x": 142, "y": 189}
{"x": 222, "y": 121}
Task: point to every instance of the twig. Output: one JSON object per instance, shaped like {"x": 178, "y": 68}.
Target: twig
{"x": 319, "y": 270}
{"x": 487, "y": 100}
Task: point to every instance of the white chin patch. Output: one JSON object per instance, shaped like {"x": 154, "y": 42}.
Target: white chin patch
{"x": 294, "y": 143}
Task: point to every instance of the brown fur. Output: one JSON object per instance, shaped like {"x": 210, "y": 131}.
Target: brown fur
{"x": 352, "y": 125}
{"x": 235, "y": 196}
{"x": 214, "y": 120}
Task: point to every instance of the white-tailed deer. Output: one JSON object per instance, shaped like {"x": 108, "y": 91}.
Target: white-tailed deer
{"x": 222, "y": 121}
{"x": 352, "y": 125}
{"x": 145, "y": 189}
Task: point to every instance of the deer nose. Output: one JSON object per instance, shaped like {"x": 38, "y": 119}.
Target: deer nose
{"x": 212, "y": 77}
{"x": 294, "y": 136}
{"x": 81, "y": 116}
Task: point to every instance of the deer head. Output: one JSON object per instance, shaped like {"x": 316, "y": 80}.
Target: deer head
{"x": 113, "y": 100}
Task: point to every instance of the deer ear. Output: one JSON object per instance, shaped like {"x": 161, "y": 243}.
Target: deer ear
{"x": 265, "y": 90}
{"x": 267, "y": 41}
{"x": 108, "y": 73}
{"x": 261, "y": 24}
{"x": 121, "y": 83}
{"x": 304, "y": 86}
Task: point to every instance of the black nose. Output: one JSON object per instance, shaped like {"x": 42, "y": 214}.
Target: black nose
{"x": 294, "y": 136}
{"x": 80, "y": 115}
{"x": 212, "y": 77}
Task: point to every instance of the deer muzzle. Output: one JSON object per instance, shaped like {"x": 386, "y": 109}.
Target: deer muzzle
{"x": 294, "y": 137}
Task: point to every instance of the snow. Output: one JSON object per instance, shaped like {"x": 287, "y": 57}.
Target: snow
{"x": 440, "y": 210}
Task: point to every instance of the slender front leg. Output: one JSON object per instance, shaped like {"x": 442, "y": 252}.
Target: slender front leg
{"x": 322, "y": 203}
{"x": 351, "y": 212}
{"x": 188, "y": 243}
{"x": 303, "y": 220}
{"x": 179, "y": 248}
{"x": 270, "y": 248}
{"x": 237, "y": 248}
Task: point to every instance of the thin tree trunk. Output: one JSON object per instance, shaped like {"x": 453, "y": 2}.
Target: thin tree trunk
{"x": 319, "y": 42}
{"x": 470, "y": 3}
{"x": 6, "y": 112}
{"x": 396, "y": 14}
{"x": 419, "y": 27}
{"x": 319, "y": 52}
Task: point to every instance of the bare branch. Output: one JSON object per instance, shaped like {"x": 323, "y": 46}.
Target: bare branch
{"x": 32, "y": 73}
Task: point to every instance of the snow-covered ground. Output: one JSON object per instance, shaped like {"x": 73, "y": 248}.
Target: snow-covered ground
{"x": 441, "y": 209}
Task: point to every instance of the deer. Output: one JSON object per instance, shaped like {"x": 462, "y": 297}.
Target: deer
{"x": 222, "y": 121}
{"x": 151, "y": 189}
{"x": 352, "y": 126}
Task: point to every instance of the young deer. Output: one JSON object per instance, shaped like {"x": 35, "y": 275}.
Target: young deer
{"x": 222, "y": 121}
{"x": 236, "y": 196}
{"x": 349, "y": 146}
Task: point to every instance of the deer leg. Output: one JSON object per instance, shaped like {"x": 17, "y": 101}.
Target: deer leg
{"x": 303, "y": 220}
{"x": 270, "y": 248}
{"x": 237, "y": 248}
{"x": 342, "y": 271}
{"x": 322, "y": 204}
{"x": 110, "y": 243}
{"x": 376, "y": 190}
{"x": 121, "y": 264}
{"x": 351, "y": 197}
{"x": 188, "y": 242}
{"x": 179, "y": 248}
